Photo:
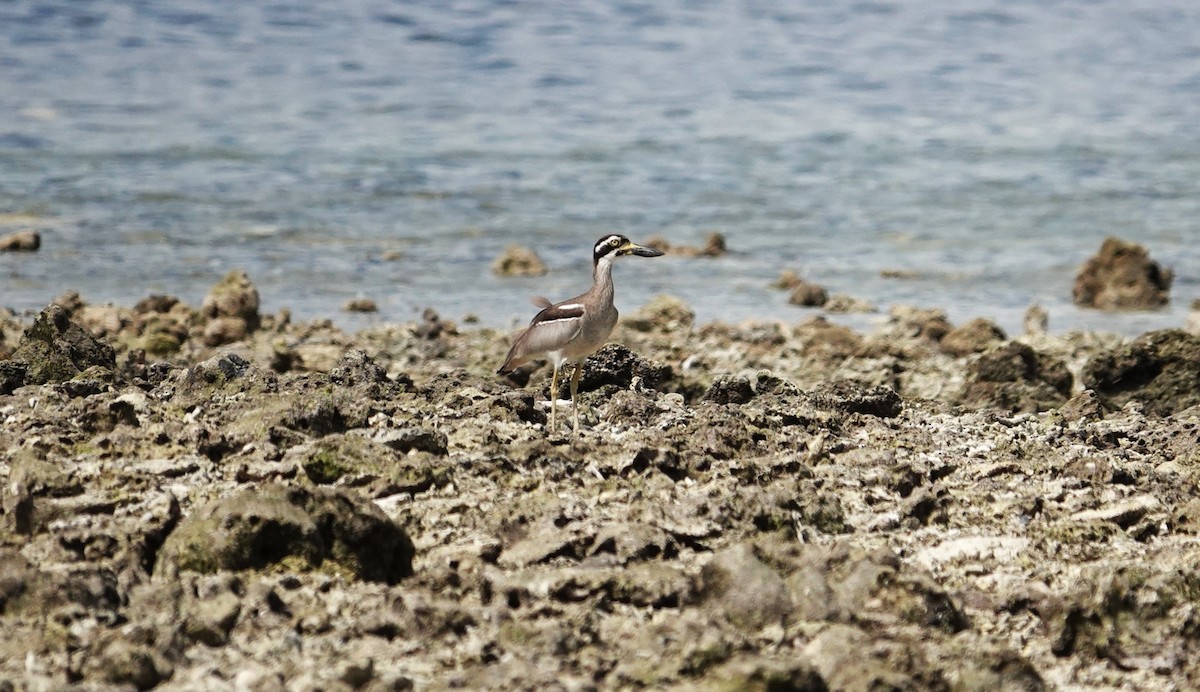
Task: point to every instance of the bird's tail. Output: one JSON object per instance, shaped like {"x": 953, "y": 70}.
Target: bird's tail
{"x": 512, "y": 361}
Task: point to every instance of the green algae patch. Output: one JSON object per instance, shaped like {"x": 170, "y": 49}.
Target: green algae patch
{"x": 159, "y": 343}
{"x": 325, "y": 466}
{"x": 55, "y": 349}
{"x": 244, "y": 531}
{"x": 348, "y": 456}
{"x": 300, "y": 528}
{"x": 332, "y": 457}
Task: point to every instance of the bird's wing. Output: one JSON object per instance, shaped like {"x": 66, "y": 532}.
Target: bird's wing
{"x": 552, "y": 328}
{"x": 540, "y": 302}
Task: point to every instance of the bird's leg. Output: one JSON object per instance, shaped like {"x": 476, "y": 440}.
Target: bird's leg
{"x": 574, "y": 392}
{"x": 554, "y": 396}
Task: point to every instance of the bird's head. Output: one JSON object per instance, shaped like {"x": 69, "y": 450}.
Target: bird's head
{"x": 616, "y": 245}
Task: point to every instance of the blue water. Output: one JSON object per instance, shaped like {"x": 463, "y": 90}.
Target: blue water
{"x": 983, "y": 148}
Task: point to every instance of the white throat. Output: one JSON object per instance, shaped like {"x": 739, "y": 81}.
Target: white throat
{"x": 603, "y": 271}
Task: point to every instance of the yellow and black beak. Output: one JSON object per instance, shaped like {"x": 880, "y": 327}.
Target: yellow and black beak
{"x": 631, "y": 248}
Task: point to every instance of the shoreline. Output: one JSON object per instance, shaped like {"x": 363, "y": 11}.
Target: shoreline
{"x": 277, "y": 505}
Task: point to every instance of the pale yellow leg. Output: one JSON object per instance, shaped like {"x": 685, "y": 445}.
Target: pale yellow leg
{"x": 554, "y": 397}
{"x": 574, "y": 392}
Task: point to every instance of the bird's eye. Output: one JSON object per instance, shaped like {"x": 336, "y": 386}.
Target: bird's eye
{"x": 614, "y": 242}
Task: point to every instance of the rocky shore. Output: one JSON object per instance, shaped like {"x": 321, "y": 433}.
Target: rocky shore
{"x": 212, "y": 498}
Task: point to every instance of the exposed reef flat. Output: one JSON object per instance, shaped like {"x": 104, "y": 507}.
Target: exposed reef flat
{"x": 217, "y": 499}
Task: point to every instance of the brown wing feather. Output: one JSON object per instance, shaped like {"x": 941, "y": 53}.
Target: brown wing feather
{"x": 560, "y": 311}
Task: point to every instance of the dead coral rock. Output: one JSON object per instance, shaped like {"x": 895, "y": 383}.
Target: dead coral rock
{"x": 70, "y": 301}
{"x": 1192, "y": 325}
{"x": 715, "y": 432}
{"x": 103, "y": 321}
{"x": 225, "y": 330}
{"x": 1015, "y": 377}
{"x": 231, "y": 308}
{"x": 29, "y": 590}
{"x": 1036, "y": 320}
{"x": 1124, "y": 513}
{"x": 155, "y": 303}
{"x": 787, "y": 280}
{"x": 359, "y": 371}
{"x": 55, "y": 349}
{"x": 233, "y": 296}
{"x": 840, "y": 583}
{"x": 843, "y": 584}
{"x": 414, "y": 439}
{"x": 211, "y": 613}
{"x": 213, "y": 374}
{"x": 518, "y": 261}
{"x": 847, "y": 658}
{"x": 161, "y": 324}
{"x": 1121, "y": 614}
{"x": 819, "y": 336}
{"x": 758, "y": 675}
{"x": 28, "y": 500}
{"x": 663, "y": 314}
{"x": 630, "y": 407}
{"x": 361, "y": 305}
{"x": 161, "y": 336}
{"x": 992, "y": 668}
{"x": 923, "y": 323}
{"x": 714, "y": 246}
{"x": 1122, "y": 277}
{"x": 383, "y": 460}
{"x": 730, "y": 389}
{"x": 119, "y": 659}
{"x": 306, "y": 529}
{"x": 18, "y": 578}
{"x": 841, "y": 303}
{"x": 21, "y": 241}
{"x": 633, "y": 542}
{"x": 850, "y": 397}
{"x": 617, "y": 366}
{"x": 1083, "y": 406}
{"x": 12, "y": 375}
{"x": 975, "y": 336}
{"x": 809, "y": 296}
{"x": 747, "y": 590}
{"x": 433, "y": 327}
{"x": 516, "y": 406}
{"x": 1160, "y": 370}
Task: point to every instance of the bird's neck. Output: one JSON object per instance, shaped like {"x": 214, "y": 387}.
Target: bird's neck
{"x": 602, "y": 277}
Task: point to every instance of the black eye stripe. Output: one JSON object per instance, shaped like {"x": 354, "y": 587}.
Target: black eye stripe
{"x": 606, "y": 246}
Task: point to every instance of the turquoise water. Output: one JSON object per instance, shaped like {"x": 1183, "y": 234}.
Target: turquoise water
{"x": 982, "y": 149}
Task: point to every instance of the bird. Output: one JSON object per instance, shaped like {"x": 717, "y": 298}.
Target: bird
{"x": 571, "y": 330}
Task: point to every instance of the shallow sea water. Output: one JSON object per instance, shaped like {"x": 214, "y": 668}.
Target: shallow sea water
{"x": 982, "y": 150}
